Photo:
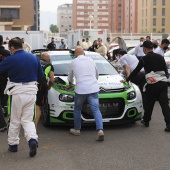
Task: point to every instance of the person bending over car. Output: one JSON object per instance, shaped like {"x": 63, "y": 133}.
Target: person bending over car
{"x": 86, "y": 74}
{"x": 44, "y": 85}
{"x": 156, "y": 87}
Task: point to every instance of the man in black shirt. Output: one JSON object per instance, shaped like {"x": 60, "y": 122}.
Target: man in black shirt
{"x": 3, "y": 80}
{"x": 156, "y": 87}
{"x": 51, "y": 45}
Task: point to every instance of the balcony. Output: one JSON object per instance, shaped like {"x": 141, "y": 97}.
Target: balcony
{"x": 6, "y": 19}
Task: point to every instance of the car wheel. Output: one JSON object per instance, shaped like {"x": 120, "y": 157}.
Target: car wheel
{"x": 45, "y": 115}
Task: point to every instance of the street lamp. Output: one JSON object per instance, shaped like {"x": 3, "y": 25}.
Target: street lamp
{"x": 90, "y": 19}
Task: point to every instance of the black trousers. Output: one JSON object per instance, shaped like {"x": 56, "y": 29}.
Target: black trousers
{"x": 140, "y": 80}
{"x": 2, "y": 120}
{"x": 157, "y": 92}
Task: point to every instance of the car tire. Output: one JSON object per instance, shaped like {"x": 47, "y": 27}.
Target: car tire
{"x": 45, "y": 114}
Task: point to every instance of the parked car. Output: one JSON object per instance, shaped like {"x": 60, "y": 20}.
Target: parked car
{"x": 119, "y": 103}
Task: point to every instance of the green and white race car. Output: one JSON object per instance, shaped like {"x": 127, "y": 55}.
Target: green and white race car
{"x": 119, "y": 103}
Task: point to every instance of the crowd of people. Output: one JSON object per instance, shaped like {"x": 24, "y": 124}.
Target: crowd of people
{"x": 26, "y": 80}
{"x": 148, "y": 70}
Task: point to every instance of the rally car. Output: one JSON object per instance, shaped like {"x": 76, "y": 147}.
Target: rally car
{"x": 118, "y": 102}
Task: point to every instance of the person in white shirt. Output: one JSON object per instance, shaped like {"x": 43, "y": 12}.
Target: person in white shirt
{"x": 139, "y": 50}
{"x": 163, "y": 47}
{"x": 6, "y": 43}
{"x": 26, "y": 46}
{"x": 129, "y": 63}
{"x": 84, "y": 44}
{"x": 89, "y": 44}
{"x": 86, "y": 74}
{"x": 102, "y": 50}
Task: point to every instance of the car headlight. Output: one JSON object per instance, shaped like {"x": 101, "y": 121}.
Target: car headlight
{"x": 66, "y": 98}
{"x": 131, "y": 95}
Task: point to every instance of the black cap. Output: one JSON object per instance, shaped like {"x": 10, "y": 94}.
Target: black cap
{"x": 147, "y": 44}
{"x": 1, "y": 38}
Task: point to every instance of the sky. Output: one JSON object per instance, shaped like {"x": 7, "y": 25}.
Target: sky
{"x": 48, "y": 12}
{"x": 51, "y": 5}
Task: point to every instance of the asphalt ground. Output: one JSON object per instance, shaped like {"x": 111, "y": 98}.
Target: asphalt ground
{"x": 126, "y": 147}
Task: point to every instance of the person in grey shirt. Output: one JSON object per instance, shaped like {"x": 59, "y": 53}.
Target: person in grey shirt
{"x": 86, "y": 74}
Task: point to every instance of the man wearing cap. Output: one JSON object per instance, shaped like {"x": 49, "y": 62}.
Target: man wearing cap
{"x": 163, "y": 47}
{"x": 3, "y": 80}
{"x": 156, "y": 87}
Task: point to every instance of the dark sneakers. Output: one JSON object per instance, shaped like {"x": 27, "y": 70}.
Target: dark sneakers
{"x": 33, "y": 145}
{"x": 167, "y": 129}
{"x": 13, "y": 148}
{"x": 146, "y": 124}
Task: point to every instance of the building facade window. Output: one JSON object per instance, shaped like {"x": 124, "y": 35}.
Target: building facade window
{"x": 119, "y": 5}
{"x": 154, "y": 11}
{"x": 163, "y": 21}
{"x": 163, "y": 11}
{"x": 163, "y": 30}
{"x": 10, "y": 13}
{"x": 163, "y": 2}
{"x": 154, "y": 21}
{"x": 154, "y": 30}
{"x": 154, "y": 2}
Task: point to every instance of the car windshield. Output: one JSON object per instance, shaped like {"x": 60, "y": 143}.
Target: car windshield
{"x": 132, "y": 51}
{"x": 61, "y": 64}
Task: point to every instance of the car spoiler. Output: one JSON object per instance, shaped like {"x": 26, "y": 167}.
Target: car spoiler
{"x": 45, "y": 50}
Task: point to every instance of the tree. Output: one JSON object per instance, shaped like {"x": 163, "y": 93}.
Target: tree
{"x": 54, "y": 28}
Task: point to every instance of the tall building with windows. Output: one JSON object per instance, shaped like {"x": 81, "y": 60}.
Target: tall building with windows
{"x": 130, "y": 19}
{"x": 82, "y": 9}
{"x": 16, "y": 14}
{"x": 154, "y": 16}
{"x": 36, "y": 26}
{"x": 113, "y": 15}
{"x": 64, "y": 19}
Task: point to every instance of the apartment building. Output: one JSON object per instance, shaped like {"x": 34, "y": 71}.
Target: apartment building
{"x": 64, "y": 19}
{"x": 153, "y": 16}
{"x": 98, "y": 9}
{"x": 130, "y": 19}
{"x": 16, "y": 14}
{"x": 36, "y": 26}
{"x": 113, "y": 15}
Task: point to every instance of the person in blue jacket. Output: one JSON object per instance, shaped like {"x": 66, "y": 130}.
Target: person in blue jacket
{"x": 24, "y": 70}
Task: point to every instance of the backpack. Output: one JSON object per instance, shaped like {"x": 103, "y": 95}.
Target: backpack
{"x": 42, "y": 82}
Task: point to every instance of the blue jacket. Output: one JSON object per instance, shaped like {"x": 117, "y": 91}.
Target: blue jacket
{"x": 22, "y": 67}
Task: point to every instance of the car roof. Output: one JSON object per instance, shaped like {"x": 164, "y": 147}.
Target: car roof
{"x": 68, "y": 53}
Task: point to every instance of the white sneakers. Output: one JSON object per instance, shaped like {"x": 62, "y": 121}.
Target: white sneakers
{"x": 100, "y": 134}
{"x": 75, "y": 132}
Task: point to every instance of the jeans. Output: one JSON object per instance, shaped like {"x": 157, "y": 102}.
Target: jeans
{"x": 154, "y": 92}
{"x": 93, "y": 101}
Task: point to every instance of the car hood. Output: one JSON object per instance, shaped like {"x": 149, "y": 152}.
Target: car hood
{"x": 106, "y": 82}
